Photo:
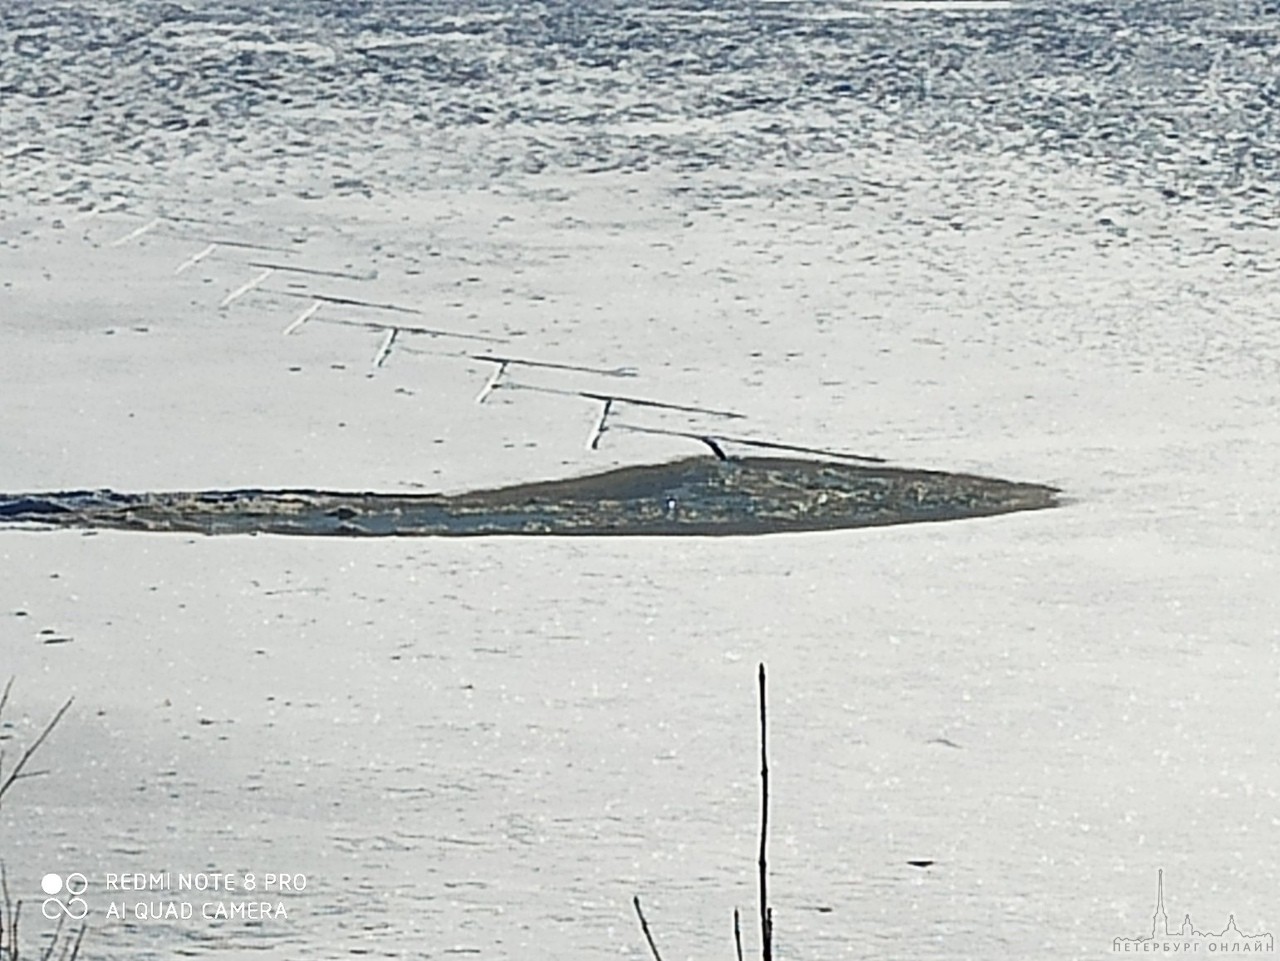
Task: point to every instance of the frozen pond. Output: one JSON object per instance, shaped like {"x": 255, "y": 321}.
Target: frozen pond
{"x": 1004, "y": 239}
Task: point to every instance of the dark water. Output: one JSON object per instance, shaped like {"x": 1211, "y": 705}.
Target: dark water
{"x": 694, "y": 496}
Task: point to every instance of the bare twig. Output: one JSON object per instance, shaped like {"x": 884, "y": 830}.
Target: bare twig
{"x": 6, "y": 911}
{"x": 75, "y": 951}
{"x": 33, "y": 747}
{"x": 766, "y": 914}
{"x": 644, "y": 926}
{"x": 53, "y": 942}
{"x": 4, "y": 698}
{"x": 11, "y": 912}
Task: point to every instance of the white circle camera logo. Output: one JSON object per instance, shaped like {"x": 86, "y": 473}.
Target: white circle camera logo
{"x": 74, "y": 907}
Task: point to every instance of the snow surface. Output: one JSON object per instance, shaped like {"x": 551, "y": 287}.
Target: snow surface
{"x": 1035, "y": 242}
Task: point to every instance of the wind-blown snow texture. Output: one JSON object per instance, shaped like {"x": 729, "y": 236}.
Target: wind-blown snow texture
{"x": 1030, "y": 241}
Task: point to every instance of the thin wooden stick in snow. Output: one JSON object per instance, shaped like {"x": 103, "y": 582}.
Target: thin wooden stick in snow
{"x": 644, "y": 926}
{"x": 766, "y": 913}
